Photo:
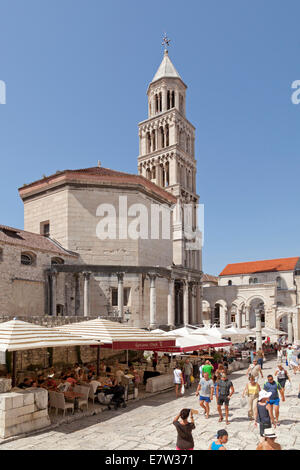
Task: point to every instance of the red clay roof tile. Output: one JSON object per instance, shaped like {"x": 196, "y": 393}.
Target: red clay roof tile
{"x": 252, "y": 267}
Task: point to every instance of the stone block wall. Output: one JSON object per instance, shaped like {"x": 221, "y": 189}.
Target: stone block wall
{"x": 23, "y": 411}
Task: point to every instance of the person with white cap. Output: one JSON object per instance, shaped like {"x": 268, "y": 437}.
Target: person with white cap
{"x": 269, "y": 442}
{"x": 263, "y": 414}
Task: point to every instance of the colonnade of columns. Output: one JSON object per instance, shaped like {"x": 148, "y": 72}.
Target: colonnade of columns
{"x": 191, "y": 298}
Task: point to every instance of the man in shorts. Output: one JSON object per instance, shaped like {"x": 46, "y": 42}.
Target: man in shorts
{"x": 206, "y": 389}
{"x": 224, "y": 392}
{"x": 274, "y": 400}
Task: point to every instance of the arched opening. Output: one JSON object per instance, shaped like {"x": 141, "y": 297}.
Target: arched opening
{"x": 216, "y": 315}
{"x": 167, "y": 135}
{"x": 148, "y": 174}
{"x": 28, "y": 259}
{"x": 256, "y": 305}
{"x": 148, "y": 137}
{"x": 162, "y": 137}
{"x": 229, "y": 283}
{"x": 168, "y": 100}
{"x": 153, "y": 173}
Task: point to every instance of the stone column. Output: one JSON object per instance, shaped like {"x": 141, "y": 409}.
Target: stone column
{"x": 185, "y": 302}
{"x": 152, "y": 278}
{"x": 239, "y": 318}
{"x": 258, "y": 330}
{"x": 120, "y": 294}
{"x": 86, "y": 294}
{"x": 177, "y": 99}
{"x": 53, "y": 293}
{"x": 199, "y": 305}
{"x": 194, "y": 304}
{"x": 247, "y": 316}
{"x": 290, "y": 328}
{"x": 171, "y": 303}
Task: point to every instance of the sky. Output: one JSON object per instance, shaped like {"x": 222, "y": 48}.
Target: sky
{"x": 76, "y": 75}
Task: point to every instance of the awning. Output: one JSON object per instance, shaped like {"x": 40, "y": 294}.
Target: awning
{"x": 213, "y": 331}
{"x": 17, "y": 335}
{"x": 117, "y": 335}
{"x": 266, "y": 331}
{"x": 239, "y": 331}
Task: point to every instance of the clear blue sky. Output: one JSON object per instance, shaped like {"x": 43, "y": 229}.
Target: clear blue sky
{"x": 77, "y": 73}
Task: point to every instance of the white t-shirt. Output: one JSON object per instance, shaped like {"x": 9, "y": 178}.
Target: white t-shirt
{"x": 177, "y": 376}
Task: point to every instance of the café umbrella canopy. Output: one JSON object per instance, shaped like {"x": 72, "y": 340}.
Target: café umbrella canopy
{"x": 117, "y": 335}
{"x": 17, "y": 335}
{"x": 239, "y": 331}
{"x": 266, "y": 331}
{"x": 213, "y": 331}
{"x": 195, "y": 343}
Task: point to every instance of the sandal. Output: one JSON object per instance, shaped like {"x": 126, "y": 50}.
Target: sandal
{"x": 220, "y": 420}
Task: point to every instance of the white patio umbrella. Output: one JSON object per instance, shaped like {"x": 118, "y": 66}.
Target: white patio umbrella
{"x": 213, "y": 331}
{"x": 194, "y": 343}
{"x": 17, "y": 335}
{"x": 239, "y": 331}
{"x": 266, "y": 331}
{"x": 184, "y": 331}
{"x": 117, "y": 335}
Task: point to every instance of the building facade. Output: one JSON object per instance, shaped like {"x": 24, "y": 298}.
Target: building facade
{"x": 270, "y": 288}
{"x": 125, "y": 244}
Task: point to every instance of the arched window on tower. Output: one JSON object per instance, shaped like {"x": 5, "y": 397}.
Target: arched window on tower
{"x": 148, "y": 142}
{"x": 168, "y": 99}
{"x": 160, "y": 102}
{"x": 162, "y": 137}
{"x": 153, "y": 141}
{"x": 173, "y": 99}
{"x": 167, "y": 135}
{"x": 156, "y": 103}
{"x": 188, "y": 144}
{"x": 167, "y": 180}
{"x": 153, "y": 173}
{"x": 148, "y": 174}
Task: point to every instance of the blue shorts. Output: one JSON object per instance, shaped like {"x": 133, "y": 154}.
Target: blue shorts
{"x": 274, "y": 402}
{"x": 207, "y": 399}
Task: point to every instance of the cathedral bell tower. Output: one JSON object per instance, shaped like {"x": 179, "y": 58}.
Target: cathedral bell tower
{"x": 167, "y": 151}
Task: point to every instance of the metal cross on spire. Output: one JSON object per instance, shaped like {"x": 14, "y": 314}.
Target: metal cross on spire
{"x": 166, "y": 42}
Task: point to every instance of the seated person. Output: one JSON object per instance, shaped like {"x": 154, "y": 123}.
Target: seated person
{"x": 50, "y": 382}
{"x": 40, "y": 379}
{"x": 96, "y": 383}
{"x": 27, "y": 383}
{"x": 71, "y": 379}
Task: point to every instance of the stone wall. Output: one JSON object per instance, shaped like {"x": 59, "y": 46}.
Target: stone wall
{"x": 23, "y": 411}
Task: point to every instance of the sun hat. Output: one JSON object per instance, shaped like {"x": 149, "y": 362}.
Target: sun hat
{"x": 269, "y": 433}
{"x": 263, "y": 394}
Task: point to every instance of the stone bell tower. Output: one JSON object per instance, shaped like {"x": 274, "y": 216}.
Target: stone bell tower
{"x": 167, "y": 153}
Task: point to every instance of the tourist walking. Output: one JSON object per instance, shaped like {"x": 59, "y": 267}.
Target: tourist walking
{"x": 273, "y": 387}
{"x": 184, "y": 429}
{"x": 206, "y": 391}
{"x": 252, "y": 390}
{"x": 282, "y": 375}
{"x": 188, "y": 371}
{"x": 254, "y": 369}
{"x": 224, "y": 391}
{"x": 178, "y": 380}
{"x": 294, "y": 363}
{"x": 260, "y": 357}
{"x": 269, "y": 442}
{"x": 289, "y": 353}
{"x": 279, "y": 353}
{"x": 207, "y": 367}
{"x": 263, "y": 412}
{"x": 222, "y": 438}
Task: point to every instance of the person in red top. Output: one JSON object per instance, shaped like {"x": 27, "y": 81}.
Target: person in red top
{"x": 72, "y": 380}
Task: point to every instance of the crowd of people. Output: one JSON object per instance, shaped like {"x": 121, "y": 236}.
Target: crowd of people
{"x": 263, "y": 400}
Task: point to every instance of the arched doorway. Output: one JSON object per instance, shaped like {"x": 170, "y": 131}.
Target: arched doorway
{"x": 256, "y": 304}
